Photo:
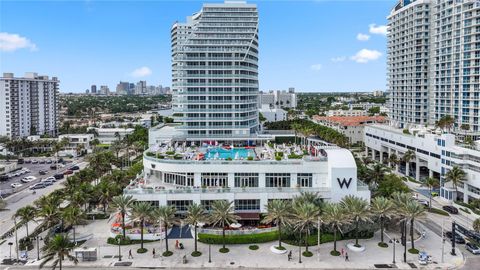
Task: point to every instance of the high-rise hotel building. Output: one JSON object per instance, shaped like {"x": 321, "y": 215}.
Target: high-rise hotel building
{"x": 215, "y": 71}
{"x": 434, "y": 63}
{"x": 28, "y": 105}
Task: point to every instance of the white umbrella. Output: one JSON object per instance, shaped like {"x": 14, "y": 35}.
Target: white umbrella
{"x": 235, "y": 225}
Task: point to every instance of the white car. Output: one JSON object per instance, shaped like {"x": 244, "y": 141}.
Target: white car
{"x": 16, "y": 185}
{"x": 28, "y": 179}
{"x": 51, "y": 178}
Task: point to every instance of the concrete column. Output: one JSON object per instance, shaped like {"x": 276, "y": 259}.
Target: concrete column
{"x": 381, "y": 156}
{"x": 231, "y": 180}
{"x": 396, "y": 164}
{"x": 261, "y": 180}
{"x": 389, "y": 154}
{"x": 366, "y": 151}
{"x": 197, "y": 180}
{"x": 407, "y": 169}
{"x": 417, "y": 169}
{"x": 430, "y": 173}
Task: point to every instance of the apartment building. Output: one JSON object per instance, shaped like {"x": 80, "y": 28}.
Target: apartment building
{"x": 350, "y": 126}
{"x": 29, "y": 105}
{"x": 278, "y": 98}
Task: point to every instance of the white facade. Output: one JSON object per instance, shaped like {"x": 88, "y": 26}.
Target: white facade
{"x": 273, "y": 114}
{"x": 109, "y": 135}
{"x": 78, "y": 142}
{"x": 278, "y": 99}
{"x": 215, "y": 71}
{"x": 435, "y": 155}
{"x": 249, "y": 184}
{"x": 347, "y": 113}
{"x": 28, "y": 105}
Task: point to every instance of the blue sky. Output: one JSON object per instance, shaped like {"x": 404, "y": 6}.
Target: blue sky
{"x": 310, "y": 45}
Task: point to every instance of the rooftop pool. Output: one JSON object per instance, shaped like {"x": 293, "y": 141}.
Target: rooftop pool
{"x": 235, "y": 153}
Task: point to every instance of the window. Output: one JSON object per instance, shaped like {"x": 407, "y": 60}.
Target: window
{"x": 277, "y": 180}
{"x": 247, "y": 205}
{"x": 181, "y": 179}
{"x": 246, "y": 179}
{"x": 214, "y": 179}
{"x": 304, "y": 180}
{"x": 180, "y": 205}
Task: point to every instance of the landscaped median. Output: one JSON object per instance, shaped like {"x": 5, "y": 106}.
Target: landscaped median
{"x": 238, "y": 239}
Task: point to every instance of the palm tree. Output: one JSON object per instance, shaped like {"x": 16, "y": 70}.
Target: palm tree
{"x": 476, "y": 225}
{"x": 221, "y": 214}
{"x": 304, "y": 218}
{"x": 142, "y": 211}
{"x": 56, "y": 249}
{"x": 413, "y": 211}
{"x": 393, "y": 160}
{"x": 123, "y": 204}
{"x": 166, "y": 216}
{"x": 25, "y": 214}
{"x": 358, "y": 211}
{"x": 376, "y": 174}
{"x": 73, "y": 215}
{"x": 456, "y": 176}
{"x": 308, "y": 197}
{"x": 431, "y": 183}
{"x": 106, "y": 190}
{"x": 278, "y": 213}
{"x": 407, "y": 157}
{"x": 48, "y": 212}
{"x": 336, "y": 217}
{"x": 195, "y": 214}
{"x": 383, "y": 209}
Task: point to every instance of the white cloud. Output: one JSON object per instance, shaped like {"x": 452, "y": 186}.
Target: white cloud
{"x": 366, "y": 55}
{"x": 338, "y": 59}
{"x": 363, "y": 37}
{"x": 316, "y": 67}
{"x": 12, "y": 42}
{"x": 141, "y": 72}
{"x": 378, "y": 29}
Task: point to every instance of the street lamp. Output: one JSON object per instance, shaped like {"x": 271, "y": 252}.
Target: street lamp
{"x": 119, "y": 254}
{"x": 393, "y": 241}
{"x": 209, "y": 252}
{"x": 10, "y": 244}
{"x": 38, "y": 238}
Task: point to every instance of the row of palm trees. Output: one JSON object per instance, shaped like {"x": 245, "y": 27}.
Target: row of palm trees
{"x": 302, "y": 215}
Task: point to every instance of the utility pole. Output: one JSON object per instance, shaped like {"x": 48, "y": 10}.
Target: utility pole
{"x": 453, "y": 239}
{"x": 16, "y": 237}
{"x": 318, "y": 238}
{"x": 443, "y": 241}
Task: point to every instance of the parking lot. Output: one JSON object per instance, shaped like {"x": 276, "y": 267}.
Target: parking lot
{"x": 34, "y": 166}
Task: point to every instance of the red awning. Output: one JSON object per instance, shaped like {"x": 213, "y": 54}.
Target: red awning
{"x": 248, "y": 216}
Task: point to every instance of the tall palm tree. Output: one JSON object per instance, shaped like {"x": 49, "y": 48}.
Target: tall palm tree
{"x": 304, "y": 218}
{"x": 377, "y": 174}
{"x": 141, "y": 212}
{"x": 336, "y": 217}
{"x": 358, "y": 211}
{"x": 431, "y": 183}
{"x": 413, "y": 211}
{"x": 72, "y": 216}
{"x": 308, "y": 197}
{"x": 221, "y": 214}
{"x": 456, "y": 175}
{"x": 383, "y": 209}
{"x": 166, "y": 216}
{"x": 407, "y": 157}
{"x": 25, "y": 214}
{"x": 106, "y": 190}
{"x": 56, "y": 249}
{"x": 195, "y": 215}
{"x": 123, "y": 203}
{"x": 49, "y": 214}
{"x": 393, "y": 160}
{"x": 278, "y": 213}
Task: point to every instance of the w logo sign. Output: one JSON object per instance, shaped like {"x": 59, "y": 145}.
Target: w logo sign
{"x": 344, "y": 182}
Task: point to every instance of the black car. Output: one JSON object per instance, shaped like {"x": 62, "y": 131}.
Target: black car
{"x": 74, "y": 168}
{"x": 20, "y": 161}
{"x": 58, "y": 176}
{"x": 42, "y": 172}
{"x": 450, "y": 209}
{"x": 4, "y": 177}
{"x": 458, "y": 238}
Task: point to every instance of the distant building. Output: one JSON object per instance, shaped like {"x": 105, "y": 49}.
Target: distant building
{"x": 77, "y": 143}
{"x": 272, "y": 114}
{"x": 93, "y": 89}
{"x": 123, "y": 88}
{"x": 141, "y": 88}
{"x": 331, "y": 113}
{"x": 87, "y": 91}
{"x": 104, "y": 90}
{"x": 28, "y": 105}
{"x": 378, "y": 93}
{"x": 350, "y": 126}
{"x": 278, "y": 98}
{"x": 109, "y": 135}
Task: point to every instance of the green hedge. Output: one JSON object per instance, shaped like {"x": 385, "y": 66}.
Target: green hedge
{"x": 438, "y": 211}
{"x": 238, "y": 239}
{"x": 472, "y": 208}
{"x": 125, "y": 241}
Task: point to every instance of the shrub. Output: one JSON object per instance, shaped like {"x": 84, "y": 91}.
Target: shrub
{"x": 142, "y": 250}
{"x": 224, "y": 250}
{"x": 294, "y": 156}
{"x": 125, "y": 241}
{"x": 97, "y": 216}
{"x": 438, "y": 211}
{"x": 249, "y": 158}
{"x": 170, "y": 153}
{"x": 280, "y": 248}
{"x": 307, "y": 254}
{"x": 150, "y": 154}
{"x": 465, "y": 210}
{"x": 229, "y": 158}
{"x": 178, "y": 157}
{"x": 277, "y": 158}
{"x": 334, "y": 253}
{"x": 382, "y": 244}
{"x": 238, "y": 239}
{"x": 168, "y": 253}
{"x": 196, "y": 254}
{"x": 253, "y": 247}
{"x": 413, "y": 250}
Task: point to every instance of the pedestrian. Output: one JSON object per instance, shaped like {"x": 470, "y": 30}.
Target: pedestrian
{"x": 176, "y": 244}
{"x": 346, "y": 257}
{"x": 130, "y": 254}
{"x": 153, "y": 252}
{"x": 289, "y": 255}
{"x": 342, "y": 252}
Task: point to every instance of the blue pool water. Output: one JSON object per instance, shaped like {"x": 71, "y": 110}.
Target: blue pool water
{"x": 229, "y": 153}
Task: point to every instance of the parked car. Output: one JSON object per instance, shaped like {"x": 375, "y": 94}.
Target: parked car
{"x": 20, "y": 161}
{"x": 47, "y": 182}
{"x": 42, "y": 172}
{"x": 458, "y": 238}
{"x": 4, "y": 177}
{"x": 474, "y": 249}
{"x": 50, "y": 178}
{"x": 54, "y": 166}
{"x": 67, "y": 172}
{"x": 28, "y": 161}
{"x": 34, "y": 161}
{"x": 423, "y": 202}
{"x": 450, "y": 209}
{"x": 42, "y": 161}
{"x": 38, "y": 186}
{"x": 58, "y": 176}
{"x": 16, "y": 185}
{"x": 28, "y": 179}
{"x": 49, "y": 161}
{"x": 74, "y": 168}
